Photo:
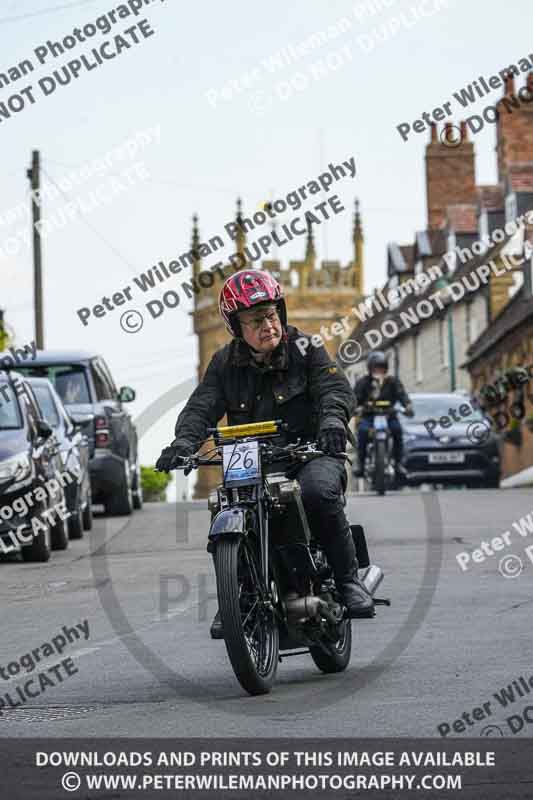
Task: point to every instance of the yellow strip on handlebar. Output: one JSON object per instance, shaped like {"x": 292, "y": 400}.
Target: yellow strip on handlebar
{"x": 249, "y": 429}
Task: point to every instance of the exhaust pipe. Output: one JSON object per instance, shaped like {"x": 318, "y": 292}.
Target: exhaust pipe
{"x": 371, "y": 579}
{"x": 300, "y": 609}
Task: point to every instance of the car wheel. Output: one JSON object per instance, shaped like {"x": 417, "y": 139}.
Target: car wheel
{"x": 88, "y": 514}
{"x": 120, "y": 503}
{"x": 137, "y": 492}
{"x": 59, "y": 534}
{"x": 39, "y": 549}
{"x": 75, "y": 524}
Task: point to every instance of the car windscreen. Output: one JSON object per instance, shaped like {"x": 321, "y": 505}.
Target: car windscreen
{"x": 9, "y": 408}
{"x": 69, "y": 380}
{"x": 46, "y": 404}
{"x": 437, "y": 406}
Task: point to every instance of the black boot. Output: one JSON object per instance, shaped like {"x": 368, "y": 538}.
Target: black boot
{"x": 340, "y": 552}
{"x": 215, "y": 630}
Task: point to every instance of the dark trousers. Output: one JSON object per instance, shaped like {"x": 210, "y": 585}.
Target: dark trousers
{"x": 323, "y": 482}
{"x": 363, "y": 432}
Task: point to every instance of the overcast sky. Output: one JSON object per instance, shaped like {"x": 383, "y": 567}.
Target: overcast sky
{"x": 231, "y": 122}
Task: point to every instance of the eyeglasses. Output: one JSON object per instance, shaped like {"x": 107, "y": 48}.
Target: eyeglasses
{"x": 256, "y": 323}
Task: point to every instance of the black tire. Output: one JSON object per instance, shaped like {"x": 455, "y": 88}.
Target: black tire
{"x": 337, "y": 656}
{"x": 88, "y": 515}
{"x": 236, "y": 568}
{"x": 75, "y": 524}
{"x": 379, "y": 477}
{"x": 137, "y": 490}
{"x": 39, "y": 549}
{"x": 120, "y": 502}
{"x": 59, "y": 534}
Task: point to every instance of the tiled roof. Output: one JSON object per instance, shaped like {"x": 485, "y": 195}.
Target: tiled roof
{"x": 438, "y": 241}
{"x": 411, "y": 300}
{"x": 407, "y": 251}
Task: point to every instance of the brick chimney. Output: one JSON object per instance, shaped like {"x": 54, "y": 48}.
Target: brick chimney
{"x": 514, "y": 136}
{"x": 450, "y": 172}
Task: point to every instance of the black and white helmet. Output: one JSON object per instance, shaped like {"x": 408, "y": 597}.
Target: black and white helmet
{"x": 377, "y": 359}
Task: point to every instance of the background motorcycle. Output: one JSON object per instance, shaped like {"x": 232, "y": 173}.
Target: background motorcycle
{"x": 275, "y": 587}
{"x": 379, "y": 469}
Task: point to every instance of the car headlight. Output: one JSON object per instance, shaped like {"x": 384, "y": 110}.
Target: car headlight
{"x": 410, "y": 437}
{"x": 17, "y": 468}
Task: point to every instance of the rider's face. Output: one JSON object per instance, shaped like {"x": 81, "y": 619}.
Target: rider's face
{"x": 261, "y": 328}
{"x": 379, "y": 373}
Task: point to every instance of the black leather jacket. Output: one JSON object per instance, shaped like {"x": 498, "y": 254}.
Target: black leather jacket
{"x": 392, "y": 389}
{"x": 306, "y": 390}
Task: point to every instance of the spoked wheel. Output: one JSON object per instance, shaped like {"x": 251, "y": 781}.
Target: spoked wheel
{"x": 250, "y": 629}
{"x": 336, "y": 656}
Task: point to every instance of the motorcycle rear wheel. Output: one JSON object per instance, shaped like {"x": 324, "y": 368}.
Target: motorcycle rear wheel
{"x": 250, "y": 630}
{"x": 336, "y": 657}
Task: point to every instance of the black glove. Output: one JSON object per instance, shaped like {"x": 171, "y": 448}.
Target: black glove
{"x": 332, "y": 441}
{"x": 171, "y": 457}
{"x": 409, "y": 411}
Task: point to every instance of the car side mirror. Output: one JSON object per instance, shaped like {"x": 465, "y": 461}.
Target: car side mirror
{"x": 126, "y": 394}
{"x": 79, "y": 420}
{"x": 44, "y": 430}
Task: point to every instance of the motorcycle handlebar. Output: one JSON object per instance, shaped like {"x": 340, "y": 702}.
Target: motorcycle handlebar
{"x": 193, "y": 461}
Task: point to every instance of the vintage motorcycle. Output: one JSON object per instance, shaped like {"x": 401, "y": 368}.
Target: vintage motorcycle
{"x": 379, "y": 469}
{"x": 275, "y": 588}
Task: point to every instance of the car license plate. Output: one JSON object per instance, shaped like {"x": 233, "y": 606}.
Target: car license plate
{"x": 446, "y": 458}
{"x": 240, "y": 462}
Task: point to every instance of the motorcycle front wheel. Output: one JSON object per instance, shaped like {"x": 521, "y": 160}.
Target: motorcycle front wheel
{"x": 249, "y": 626}
{"x": 380, "y": 466}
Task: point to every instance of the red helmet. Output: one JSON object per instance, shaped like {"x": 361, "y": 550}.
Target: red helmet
{"x": 246, "y": 289}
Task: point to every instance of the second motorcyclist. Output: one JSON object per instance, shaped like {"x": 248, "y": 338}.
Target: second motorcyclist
{"x": 377, "y": 384}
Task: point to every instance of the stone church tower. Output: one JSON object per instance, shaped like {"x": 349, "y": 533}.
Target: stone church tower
{"x": 317, "y": 294}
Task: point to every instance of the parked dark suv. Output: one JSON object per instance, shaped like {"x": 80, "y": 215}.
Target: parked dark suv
{"x": 33, "y": 509}
{"x": 85, "y": 385}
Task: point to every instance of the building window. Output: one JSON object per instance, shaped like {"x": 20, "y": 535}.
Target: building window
{"x": 417, "y": 346}
{"x": 443, "y": 342}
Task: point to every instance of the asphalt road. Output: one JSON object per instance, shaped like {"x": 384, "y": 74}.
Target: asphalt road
{"x": 449, "y": 641}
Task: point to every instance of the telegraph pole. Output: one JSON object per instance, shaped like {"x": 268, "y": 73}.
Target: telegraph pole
{"x": 34, "y": 176}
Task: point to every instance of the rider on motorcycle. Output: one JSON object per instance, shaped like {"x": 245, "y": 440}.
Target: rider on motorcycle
{"x": 377, "y": 385}
{"x": 262, "y": 375}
